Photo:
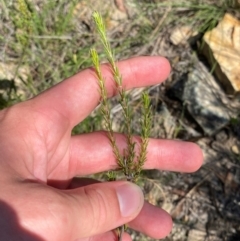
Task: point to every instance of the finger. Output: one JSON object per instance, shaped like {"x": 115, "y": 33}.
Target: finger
{"x": 153, "y": 222}
{"x": 74, "y": 98}
{"x": 109, "y": 236}
{"x": 53, "y": 214}
{"x": 92, "y": 153}
{"x": 101, "y": 207}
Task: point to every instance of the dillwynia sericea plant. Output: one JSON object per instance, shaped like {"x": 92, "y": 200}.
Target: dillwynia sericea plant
{"x": 130, "y": 163}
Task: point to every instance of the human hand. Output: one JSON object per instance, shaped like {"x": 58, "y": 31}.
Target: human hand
{"x": 39, "y": 197}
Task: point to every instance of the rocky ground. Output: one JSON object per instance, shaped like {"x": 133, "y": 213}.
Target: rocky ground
{"x": 192, "y": 105}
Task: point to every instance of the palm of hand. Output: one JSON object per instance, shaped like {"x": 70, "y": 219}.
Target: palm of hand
{"x": 42, "y": 158}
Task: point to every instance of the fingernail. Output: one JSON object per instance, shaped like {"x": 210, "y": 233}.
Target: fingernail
{"x": 130, "y": 198}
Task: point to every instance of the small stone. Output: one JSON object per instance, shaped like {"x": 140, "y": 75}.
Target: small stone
{"x": 197, "y": 235}
{"x": 235, "y": 149}
{"x": 121, "y": 5}
{"x": 181, "y": 35}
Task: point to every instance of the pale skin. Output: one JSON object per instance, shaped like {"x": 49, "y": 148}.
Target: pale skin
{"x": 39, "y": 197}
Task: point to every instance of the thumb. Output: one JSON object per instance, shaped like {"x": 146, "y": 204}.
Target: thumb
{"x": 101, "y": 207}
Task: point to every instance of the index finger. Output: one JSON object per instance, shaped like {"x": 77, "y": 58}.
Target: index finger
{"x": 75, "y": 98}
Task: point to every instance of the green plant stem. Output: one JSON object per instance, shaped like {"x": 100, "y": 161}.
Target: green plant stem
{"x": 146, "y": 129}
{"x": 127, "y": 162}
{"x": 105, "y": 110}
